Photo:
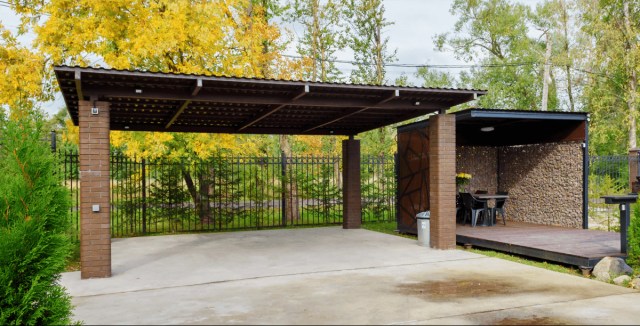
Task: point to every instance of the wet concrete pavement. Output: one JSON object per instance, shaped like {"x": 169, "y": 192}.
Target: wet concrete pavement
{"x": 333, "y": 276}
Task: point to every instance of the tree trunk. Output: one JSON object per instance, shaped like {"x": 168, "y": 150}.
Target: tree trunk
{"x": 292, "y": 211}
{"x": 200, "y": 196}
{"x": 633, "y": 78}
{"x": 546, "y": 78}
{"x": 315, "y": 36}
{"x": 565, "y": 29}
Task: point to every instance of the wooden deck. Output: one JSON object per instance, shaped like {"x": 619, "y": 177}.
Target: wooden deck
{"x": 564, "y": 245}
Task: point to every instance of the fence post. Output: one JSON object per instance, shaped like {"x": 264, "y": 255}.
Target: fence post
{"x": 283, "y": 204}
{"x": 396, "y": 175}
{"x": 144, "y": 197}
{"x": 53, "y": 141}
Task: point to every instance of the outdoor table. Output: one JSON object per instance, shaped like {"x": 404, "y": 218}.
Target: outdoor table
{"x": 623, "y": 201}
{"x": 490, "y": 221}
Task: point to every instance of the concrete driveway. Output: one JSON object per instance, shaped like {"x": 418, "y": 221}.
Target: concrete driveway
{"x": 332, "y": 276}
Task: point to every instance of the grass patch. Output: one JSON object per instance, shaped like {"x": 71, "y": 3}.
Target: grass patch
{"x": 73, "y": 262}
{"x": 391, "y": 228}
{"x": 567, "y": 269}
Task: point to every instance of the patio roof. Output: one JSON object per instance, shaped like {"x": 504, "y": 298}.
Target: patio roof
{"x": 153, "y": 101}
{"x": 514, "y": 127}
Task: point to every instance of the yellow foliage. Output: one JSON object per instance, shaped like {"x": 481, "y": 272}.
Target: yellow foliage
{"x": 230, "y": 37}
{"x": 23, "y": 73}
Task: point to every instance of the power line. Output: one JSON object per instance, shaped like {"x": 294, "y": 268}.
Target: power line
{"x": 416, "y": 65}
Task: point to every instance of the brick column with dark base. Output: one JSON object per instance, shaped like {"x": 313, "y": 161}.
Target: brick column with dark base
{"x": 95, "y": 230}
{"x": 442, "y": 178}
{"x": 351, "y": 197}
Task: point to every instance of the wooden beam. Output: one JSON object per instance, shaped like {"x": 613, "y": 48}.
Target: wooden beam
{"x": 77, "y": 76}
{"x": 198, "y": 87}
{"x": 333, "y": 102}
{"x": 304, "y": 92}
{"x": 395, "y": 95}
{"x": 185, "y": 104}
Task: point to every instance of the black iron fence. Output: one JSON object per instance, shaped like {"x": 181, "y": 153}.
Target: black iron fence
{"x": 608, "y": 175}
{"x": 234, "y": 193}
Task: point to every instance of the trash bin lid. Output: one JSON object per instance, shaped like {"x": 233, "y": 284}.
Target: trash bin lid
{"x": 424, "y": 215}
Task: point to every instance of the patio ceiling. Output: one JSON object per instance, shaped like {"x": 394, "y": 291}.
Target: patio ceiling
{"x": 152, "y": 101}
{"x": 515, "y": 127}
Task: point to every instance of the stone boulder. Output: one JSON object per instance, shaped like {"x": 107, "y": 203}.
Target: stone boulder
{"x": 611, "y": 267}
{"x": 621, "y": 279}
{"x": 635, "y": 283}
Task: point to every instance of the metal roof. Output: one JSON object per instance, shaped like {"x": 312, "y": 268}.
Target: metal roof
{"x": 514, "y": 127}
{"x": 154, "y": 101}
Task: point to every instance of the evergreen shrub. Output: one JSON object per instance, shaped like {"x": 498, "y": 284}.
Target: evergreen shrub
{"x": 633, "y": 242}
{"x": 34, "y": 221}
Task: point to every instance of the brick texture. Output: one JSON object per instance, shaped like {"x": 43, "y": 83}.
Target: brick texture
{"x": 351, "y": 208}
{"x": 95, "y": 235}
{"x": 634, "y": 184}
{"x": 442, "y": 170}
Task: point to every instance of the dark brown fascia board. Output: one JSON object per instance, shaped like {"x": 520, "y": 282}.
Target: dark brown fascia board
{"x": 140, "y": 74}
{"x": 120, "y": 92}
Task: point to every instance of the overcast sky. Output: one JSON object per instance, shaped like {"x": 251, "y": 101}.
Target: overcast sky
{"x": 415, "y": 24}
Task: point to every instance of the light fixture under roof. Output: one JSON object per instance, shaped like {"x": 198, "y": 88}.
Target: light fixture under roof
{"x": 487, "y": 129}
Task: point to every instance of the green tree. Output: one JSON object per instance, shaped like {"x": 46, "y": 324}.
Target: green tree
{"x": 34, "y": 244}
{"x": 365, "y": 28}
{"x": 322, "y": 37}
{"x": 613, "y": 27}
{"x": 494, "y": 34}
{"x": 434, "y": 78}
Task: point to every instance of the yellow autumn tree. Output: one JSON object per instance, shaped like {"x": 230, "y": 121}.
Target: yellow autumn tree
{"x": 22, "y": 84}
{"x": 223, "y": 38}
{"x": 227, "y": 38}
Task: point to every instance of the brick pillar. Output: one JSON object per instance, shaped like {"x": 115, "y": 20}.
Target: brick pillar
{"x": 634, "y": 184}
{"x": 351, "y": 196}
{"x": 442, "y": 181}
{"x": 95, "y": 230}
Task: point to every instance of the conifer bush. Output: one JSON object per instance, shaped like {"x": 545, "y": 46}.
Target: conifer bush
{"x": 34, "y": 243}
{"x": 633, "y": 242}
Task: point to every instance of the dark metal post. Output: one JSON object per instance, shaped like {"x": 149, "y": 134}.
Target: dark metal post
{"x": 585, "y": 177}
{"x": 624, "y": 225}
{"x": 144, "y": 197}
{"x": 283, "y": 173}
{"x": 53, "y": 141}
{"x": 638, "y": 166}
{"x": 396, "y": 175}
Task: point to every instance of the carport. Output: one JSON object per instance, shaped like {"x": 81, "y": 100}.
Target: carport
{"x": 100, "y": 100}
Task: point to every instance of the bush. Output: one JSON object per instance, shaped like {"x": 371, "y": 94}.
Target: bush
{"x": 633, "y": 234}
{"x": 34, "y": 245}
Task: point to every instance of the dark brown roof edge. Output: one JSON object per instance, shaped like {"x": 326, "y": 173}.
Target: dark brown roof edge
{"x": 64, "y": 68}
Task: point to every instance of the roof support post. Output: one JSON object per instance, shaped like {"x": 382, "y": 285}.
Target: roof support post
{"x": 351, "y": 196}
{"x": 442, "y": 176}
{"x": 95, "y": 212}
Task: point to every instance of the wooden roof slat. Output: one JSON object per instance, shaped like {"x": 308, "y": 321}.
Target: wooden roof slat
{"x": 201, "y": 103}
{"x": 304, "y": 92}
{"x": 395, "y": 95}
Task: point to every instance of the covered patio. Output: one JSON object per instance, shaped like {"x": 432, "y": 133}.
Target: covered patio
{"x": 100, "y": 100}
{"x": 539, "y": 158}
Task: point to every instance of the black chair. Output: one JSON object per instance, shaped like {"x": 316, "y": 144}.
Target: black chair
{"x": 475, "y": 207}
{"x": 499, "y": 207}
{"x": 481, "y": 192}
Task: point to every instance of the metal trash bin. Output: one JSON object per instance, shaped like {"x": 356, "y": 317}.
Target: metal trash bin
{"x": 422, "y": 221}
